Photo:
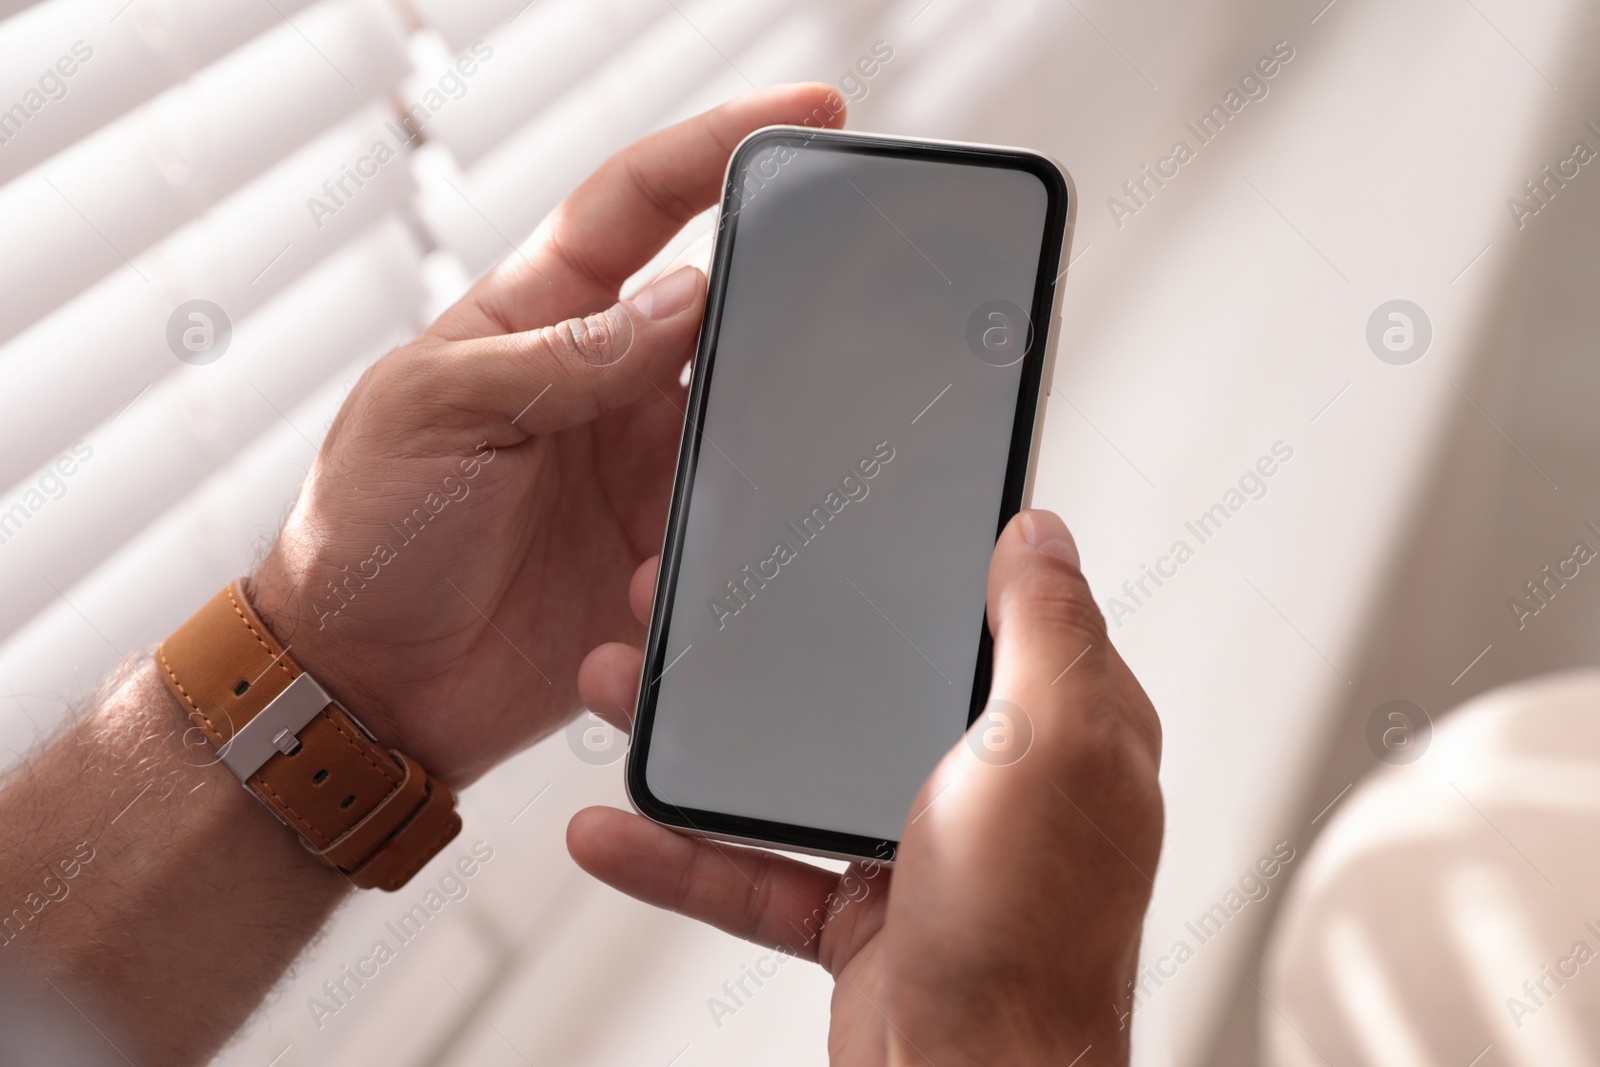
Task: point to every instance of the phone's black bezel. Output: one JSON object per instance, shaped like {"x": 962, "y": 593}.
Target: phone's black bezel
{"x": 1058, "y": 213}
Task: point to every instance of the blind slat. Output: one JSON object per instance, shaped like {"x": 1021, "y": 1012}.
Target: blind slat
{"x": 83, "y": 362}
{"x": 512, "y": 188}
{"x": 524, "y": 74}
{"x": 119, "y": 55}
{"x": 194, "y": 420}
{"x": 463, "y": 21}
{"x": 73, "y": 218}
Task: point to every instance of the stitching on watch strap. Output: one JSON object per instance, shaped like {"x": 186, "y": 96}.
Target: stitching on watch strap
{"x": 183, "y": 694}
{"x": 288, "y": 809}
{"x": 350, "y": 739}
{"x": 280, "y": 658}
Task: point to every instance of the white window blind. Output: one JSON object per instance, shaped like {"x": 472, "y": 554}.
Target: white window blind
{"x": 72, "y": 66}
{"x": 144, "y": 174}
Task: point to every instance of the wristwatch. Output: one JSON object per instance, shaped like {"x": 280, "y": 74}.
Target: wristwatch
{"x": 372, "y": 814}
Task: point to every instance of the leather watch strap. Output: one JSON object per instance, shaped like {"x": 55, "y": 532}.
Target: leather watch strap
{"x": 371, "y": 813}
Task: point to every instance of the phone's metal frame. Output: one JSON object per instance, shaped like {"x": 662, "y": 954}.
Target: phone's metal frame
{"x": 1038, "y": 367}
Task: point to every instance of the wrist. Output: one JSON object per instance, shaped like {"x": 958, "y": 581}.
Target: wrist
{"x": 191, "y": 794}
{"x": 159, "y": 872}
{"x": 282, "y": 592}
{"x": 1033, "y": 1016}
{"x": 362, "y": 806}
{"x": 1102, "y": 1047}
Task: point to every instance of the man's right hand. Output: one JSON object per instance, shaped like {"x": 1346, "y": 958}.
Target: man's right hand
{"x": 1009, "y": 929}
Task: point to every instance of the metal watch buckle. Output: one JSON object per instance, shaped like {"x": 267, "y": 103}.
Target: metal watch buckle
{"x": 275, "y": 728}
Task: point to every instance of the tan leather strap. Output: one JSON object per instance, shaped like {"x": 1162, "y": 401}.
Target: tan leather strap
{"x": 375, "y": 815}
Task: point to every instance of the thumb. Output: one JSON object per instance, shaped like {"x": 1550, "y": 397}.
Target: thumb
{"x": 1052, "y": 653}
{"x": 563, "y": 375}
{"x": 1044, "y": 618}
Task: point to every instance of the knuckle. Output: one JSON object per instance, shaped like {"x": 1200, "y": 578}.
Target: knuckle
{"x": 402, "y": 366}
{"x": 598, "y": 339}
{"x": 406, "y": 376}
{"x": 419, "y": 378}
{"x": 757, "y": 903}
{"x": 1061, "y": 602}
{"x": 1110, "y": 750}
{"x": 692, "y": 875}
{"x": 657, "y": 193}
{"x": 1111, "y": 765}
{"x": 1108, "y": 771}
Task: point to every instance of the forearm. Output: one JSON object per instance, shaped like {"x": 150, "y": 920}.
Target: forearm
{"x": 146, "y": 885}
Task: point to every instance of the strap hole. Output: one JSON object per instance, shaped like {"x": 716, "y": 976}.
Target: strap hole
{"x": 238, "y": 690}
{"x": 319, "y": 777}
{"x": 347, "y": 801}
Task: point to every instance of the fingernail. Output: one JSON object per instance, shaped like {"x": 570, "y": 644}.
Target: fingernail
{"x": 665, "y": 297}
{"x": 1045, "y": 531}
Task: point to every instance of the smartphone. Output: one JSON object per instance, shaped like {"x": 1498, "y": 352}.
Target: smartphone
{"x": 862, "y": 419}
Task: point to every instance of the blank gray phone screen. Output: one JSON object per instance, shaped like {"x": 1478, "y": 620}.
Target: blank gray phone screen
{"x": 824, "y": 626}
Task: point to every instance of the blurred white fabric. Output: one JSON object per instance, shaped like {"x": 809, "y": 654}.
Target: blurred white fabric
{"x": 1219, "y": 312}
{"x": 1448, "y": 915}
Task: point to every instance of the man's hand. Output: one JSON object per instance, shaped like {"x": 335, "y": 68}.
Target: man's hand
{"x": 468, "y": 531}
{"x": 1009, "y": 929}
{"x": 465, "y": 535}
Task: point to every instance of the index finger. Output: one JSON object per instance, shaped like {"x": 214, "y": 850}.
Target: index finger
{"x": 623, "y": 214}
{"x": 754, "y": 895}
